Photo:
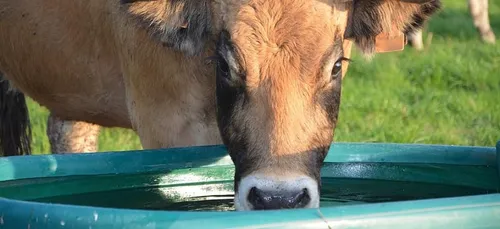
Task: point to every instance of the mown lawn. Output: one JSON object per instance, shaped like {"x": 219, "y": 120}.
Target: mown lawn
{"x": 447, "y": 94}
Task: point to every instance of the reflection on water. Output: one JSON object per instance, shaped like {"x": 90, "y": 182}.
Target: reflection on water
{"x": 202, "y": 193}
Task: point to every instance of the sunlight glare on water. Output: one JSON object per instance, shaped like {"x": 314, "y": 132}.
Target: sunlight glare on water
{"x": 208, "y": 192}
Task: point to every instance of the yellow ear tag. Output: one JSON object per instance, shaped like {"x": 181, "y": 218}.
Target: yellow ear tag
{"x": 386, "y": 43}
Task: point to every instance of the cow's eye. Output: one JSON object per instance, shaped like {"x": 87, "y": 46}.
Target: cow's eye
{"x": 337, "y": 69}
{"x": 222, "y": 67}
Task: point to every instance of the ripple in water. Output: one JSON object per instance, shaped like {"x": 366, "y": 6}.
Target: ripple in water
{"x": 335, "y": 192}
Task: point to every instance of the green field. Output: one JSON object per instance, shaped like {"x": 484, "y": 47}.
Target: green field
{"x": 447, "y": 94}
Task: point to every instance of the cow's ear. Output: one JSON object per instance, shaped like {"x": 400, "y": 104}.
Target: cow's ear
{"x": 180, "y": 24}
{"x": 371, "y": 18}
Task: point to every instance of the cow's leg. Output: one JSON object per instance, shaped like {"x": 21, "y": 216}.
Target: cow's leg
{"x": 479, "y": 12}
{"x": 72, "y": 136}
{"x": 415, "y": 39}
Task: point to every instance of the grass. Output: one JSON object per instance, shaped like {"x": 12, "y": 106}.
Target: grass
{"x": 447, "y": 94}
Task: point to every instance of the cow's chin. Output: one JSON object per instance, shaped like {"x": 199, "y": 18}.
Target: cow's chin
{"x": 279, "y": 192}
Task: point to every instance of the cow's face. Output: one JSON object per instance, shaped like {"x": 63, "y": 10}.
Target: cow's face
{"x": 278, "y": 75}
{"x": 279, "y": 78}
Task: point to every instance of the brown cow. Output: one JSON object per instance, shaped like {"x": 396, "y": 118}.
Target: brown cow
{"x": 272, "y": 98}
{"x": 478, "y": 10}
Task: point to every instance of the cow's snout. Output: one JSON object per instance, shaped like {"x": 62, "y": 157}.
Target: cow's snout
{"x": 262, "y": 199}
{"x": 264, "y": 193}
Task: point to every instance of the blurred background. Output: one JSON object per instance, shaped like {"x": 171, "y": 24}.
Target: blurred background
{"x": 448, "y": 93}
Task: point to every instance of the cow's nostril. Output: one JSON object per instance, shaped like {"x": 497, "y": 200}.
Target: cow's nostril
{"x": 261, "y": 199}
{"x": 255, "y": 198}
{"x": 302, "y": 198}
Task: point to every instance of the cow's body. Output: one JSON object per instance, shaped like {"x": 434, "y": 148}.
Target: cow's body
{"x": 65, "y": 63}
{"x": 71, "y": 65}
{"x": 478, "y": 10}
{"x": 272, "y": 97}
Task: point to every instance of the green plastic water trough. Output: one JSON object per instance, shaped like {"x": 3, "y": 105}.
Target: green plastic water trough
{"x": 363, "y": 186}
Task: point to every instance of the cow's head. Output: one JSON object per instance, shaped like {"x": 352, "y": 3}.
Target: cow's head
{"x": 279, "y": 74}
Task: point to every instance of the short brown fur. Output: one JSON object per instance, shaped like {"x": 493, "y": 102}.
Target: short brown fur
{"x": 143, "y": 64}
{"x": 102, "y": 69}
{"x": 285, "y": 69}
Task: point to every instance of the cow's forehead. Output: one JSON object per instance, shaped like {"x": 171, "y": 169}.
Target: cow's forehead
{"x": 229, "y": 12}
{"x": 290, "y": 34}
